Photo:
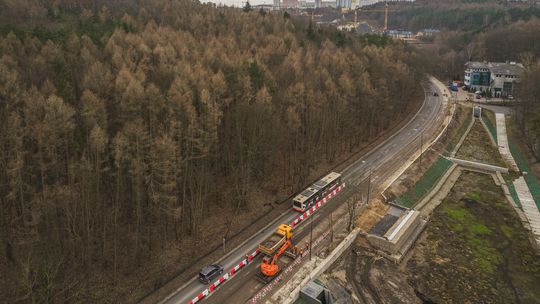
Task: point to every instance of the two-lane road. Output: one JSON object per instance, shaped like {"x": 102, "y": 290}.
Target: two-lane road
{"x": 383, "y": 160}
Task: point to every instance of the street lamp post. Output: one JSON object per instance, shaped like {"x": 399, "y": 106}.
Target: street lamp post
{"x": 369, "y": 187}
{"x": 421, "y": 146}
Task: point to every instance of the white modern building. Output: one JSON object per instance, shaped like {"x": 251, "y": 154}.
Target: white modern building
{"x": 495, "y": 78}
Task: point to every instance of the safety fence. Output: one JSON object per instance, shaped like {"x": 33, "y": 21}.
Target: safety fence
{"x": 512, "y": 189}
{"x": 530, "y": 179}
{"x": 489, "y": 124}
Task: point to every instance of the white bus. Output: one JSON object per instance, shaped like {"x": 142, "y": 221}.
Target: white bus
{"x": 316, "y": 192}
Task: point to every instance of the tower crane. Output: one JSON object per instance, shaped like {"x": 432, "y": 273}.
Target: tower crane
{"x": 385, "y": 11}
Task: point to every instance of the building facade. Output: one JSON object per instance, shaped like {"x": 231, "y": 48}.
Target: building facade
{"x": 344, "y": 4}
{"x": 497, "y": 79}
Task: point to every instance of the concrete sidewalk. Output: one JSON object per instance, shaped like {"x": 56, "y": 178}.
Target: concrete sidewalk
{"x": 502, "y": 142}
{"x": 529, "y": 206}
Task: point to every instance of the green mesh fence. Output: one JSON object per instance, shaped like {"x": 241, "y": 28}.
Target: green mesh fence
{"x": 491, "y": 127}
{"x": 531, "y": 181}
{"x": 425, "y": 184}
{"x": 512, "y": 189}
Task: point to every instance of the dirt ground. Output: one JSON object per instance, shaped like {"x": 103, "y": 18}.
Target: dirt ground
{"x": 373, "y": 213}
{"x": 478, "y": 147}
{"x": 475, "y": 250}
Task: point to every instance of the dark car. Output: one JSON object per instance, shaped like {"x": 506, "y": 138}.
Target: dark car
{"x": 210, "y": 272}
{"x": 435, "y": 94}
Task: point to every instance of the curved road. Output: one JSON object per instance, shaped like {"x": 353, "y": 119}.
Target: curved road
{"x": 382, "y": 161}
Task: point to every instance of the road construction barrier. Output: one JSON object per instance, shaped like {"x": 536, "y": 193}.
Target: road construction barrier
{"x": 250, "y": 257}
{"x": 224, "y": 278}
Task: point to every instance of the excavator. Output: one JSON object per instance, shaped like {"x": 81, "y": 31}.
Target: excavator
{"x": 269, "y": 266}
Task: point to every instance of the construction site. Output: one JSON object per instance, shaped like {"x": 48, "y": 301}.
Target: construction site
{"x": 451, "y": 229}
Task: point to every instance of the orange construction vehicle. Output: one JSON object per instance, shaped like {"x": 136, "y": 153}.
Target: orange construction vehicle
{"x": 269, "y": 265}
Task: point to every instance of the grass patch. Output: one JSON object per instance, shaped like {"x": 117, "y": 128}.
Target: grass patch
{"x": 507, "y": 231}
{"x": 462, "y": 128}
{"x": 473, "y": 195}
{"x": 456, "y": 212}
{"x": 480, "y": 229}
{"x": 491, "y": 123}
{"x": 485, "y": 244}
{"x": 512, "y": 189}
{"x": 530, "y": 179}
{"x": 478, "y": 147}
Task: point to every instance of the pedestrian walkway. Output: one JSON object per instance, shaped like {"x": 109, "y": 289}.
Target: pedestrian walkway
{"x": 529, "y": 206}
{"x": 502, "y": 142}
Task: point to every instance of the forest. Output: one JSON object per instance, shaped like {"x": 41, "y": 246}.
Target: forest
{"x": 471, "y": 30}
{"x": 485, "y": 31}
{"x": 125, "y": 124}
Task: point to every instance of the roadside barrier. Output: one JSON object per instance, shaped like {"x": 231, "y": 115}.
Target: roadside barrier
{"x": 227, "y": 276}
{"x": 251, "y": 256}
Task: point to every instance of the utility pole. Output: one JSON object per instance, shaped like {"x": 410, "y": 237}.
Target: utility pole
{"x": 421, "y": 146}
{"x": 369, "y": 186}
{"x": 385, "y": 16}
{"x": 331, "y": 228}
{"x": 310, "y": 238}
{"x": 223, "y": 245}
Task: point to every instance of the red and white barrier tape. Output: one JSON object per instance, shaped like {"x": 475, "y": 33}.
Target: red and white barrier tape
{"x": 227, "y": 276}
{"x": 318, "y": 205}
{"x": 250, "y": 257}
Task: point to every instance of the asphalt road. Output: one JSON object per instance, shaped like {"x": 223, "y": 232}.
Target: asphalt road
{"x": 382, "y": 161}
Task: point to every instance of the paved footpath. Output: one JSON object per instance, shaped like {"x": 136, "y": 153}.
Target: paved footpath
{"x": 529, "y": 206}
{"x": 502, "y": 142}
{"x": 524, "y": 194}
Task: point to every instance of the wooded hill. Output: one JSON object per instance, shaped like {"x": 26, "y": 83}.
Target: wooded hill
{"x": 124, "y": 124}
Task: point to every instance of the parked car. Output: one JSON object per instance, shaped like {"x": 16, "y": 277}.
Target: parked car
{"x": 210, "y": 272}
{"x": 478, "y": 96}
{"x": 510, "y": 97}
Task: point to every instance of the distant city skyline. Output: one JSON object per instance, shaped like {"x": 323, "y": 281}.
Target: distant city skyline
{"x": 239, "y": 3}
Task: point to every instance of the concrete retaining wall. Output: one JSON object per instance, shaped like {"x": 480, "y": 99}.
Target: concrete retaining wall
{"x": 332, "y": 257}
{"x": 479, "y": 166}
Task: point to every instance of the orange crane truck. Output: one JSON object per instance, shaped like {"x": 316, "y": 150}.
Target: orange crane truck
{"x": 280, "y": 242}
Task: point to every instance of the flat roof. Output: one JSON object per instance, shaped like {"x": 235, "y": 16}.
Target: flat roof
{"x": 505, "y": 68}
{"x": 383, "y": 225}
